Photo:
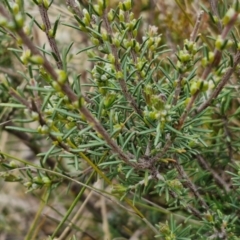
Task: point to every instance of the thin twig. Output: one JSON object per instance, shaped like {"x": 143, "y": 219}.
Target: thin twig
{"x": 74, "y": 219}
{"x": 194, "y": 33}
{"x": 220, "y": 86}
{"x": 214, "y": 5}
{"x": 9, "y": 72}
{"x": 75, "y": 8}
{"x": 219, "y": 180}
{"x": 51, "y": 39}
{"x": 178, "y": 91}
{"x": 208, "y": 69}
{"x": 188, "y": 207}
{"x": 228, "y": 138}
{"x": 122, "y": 82}
{"x": 188, "y": 183}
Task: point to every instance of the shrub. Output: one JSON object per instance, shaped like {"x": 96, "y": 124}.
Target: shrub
{"x": 155, "y": 122}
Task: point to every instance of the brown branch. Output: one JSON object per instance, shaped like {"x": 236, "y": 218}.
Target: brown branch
{"x": 194, "y": 33}
{"x": 72, "y": 4}
{"x": 228, "y": 138}
{"x": 9, "y": 72}
{"x": 188, "y": 183}
{"x": 220, "y": 86}
{"x": 207, "y": 71}
{"x": 218, "y": 179}
{"x": 214, "y": 4}
{"x": 122, "y": 82}
{"x": 51, "y": 39}
{"x": 188, "y": 207}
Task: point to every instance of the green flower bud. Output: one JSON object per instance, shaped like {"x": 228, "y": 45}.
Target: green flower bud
{"x": 95, "y": 41}
{"x": 35, "y": 116}
{"x": 184, "y": 56}
{"x": 11, "y": 25}
{"x": 46, "y": 180}
{"x": 219, "y": 43}
{"x": 3, "y": 22}
{"x": 98, "y": 9}
{"x": 62, "y": 77}
{"x": 50, "y": 122}
{"x": 104, "y": 36}
{"x": 137, "y": 47}
{"x": 19, "y": 41}
{"x": 211, "y": 57}
{"x": 46, "y": 4}
{"x": 110, "y": 15}
{"x": 13, "y": 164}
{"x": 204, "y": 86}
{"x": 118, "y": 189}
{"x": 175, "y": 184}
{"x": 27, "y": 30}
{"x": 204, "y": 62}
{"x": 109, "y": 99}
{"x": 111, "y": 58}
{"x": 59, "y": 138}
{"x": 37, "y": 179}
{"x": 86, "y": 21}
{"x": 209, "y": 217}
{"x": 120, "y": 5}
{"x": 86, "y": 14}
{"x": 56, "y": 86}
{"x": 15, "y": 8}
{"x": 45, "y": 129}
{"x": 81, "y": 102}
{"x": 116, "y": 42}
{"x": 28, "y": 184}
{"x": 43, "y": 27}
{"x": 228, "y": 16}
{"x": 127, "y": 5}
{"x": 36, "y": 59}
{"x": 121, "y": 15}
{"x": 35, "y": 186}
{"x": 153, "y": 115}
{"x": 164, "y": 229}
{"x": 51, "y": 33}
{"x": 194, "y": 88}
{"x": 49, "y": 111}
{"x": 19, "y": 20}
{"x": 25, "y": 56}
{"x": 119, "y": 75}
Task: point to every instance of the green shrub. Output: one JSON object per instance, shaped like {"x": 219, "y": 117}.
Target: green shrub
{"x": 156, "y": 122}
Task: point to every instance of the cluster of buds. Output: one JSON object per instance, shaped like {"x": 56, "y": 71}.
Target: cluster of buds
{"x": 152, "y": 38}
{"x": 186, "y": 56}
{"x": 159, "y": 110}
{"x": 18, "y": 17}
{"x": 198, "y": 85}
{"x": 27, "y": 57}
{"x": 37, "y": 183}
{"x": 102, "y": 74}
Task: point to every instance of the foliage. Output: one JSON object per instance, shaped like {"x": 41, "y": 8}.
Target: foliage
{"x": 157, "y": 122}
